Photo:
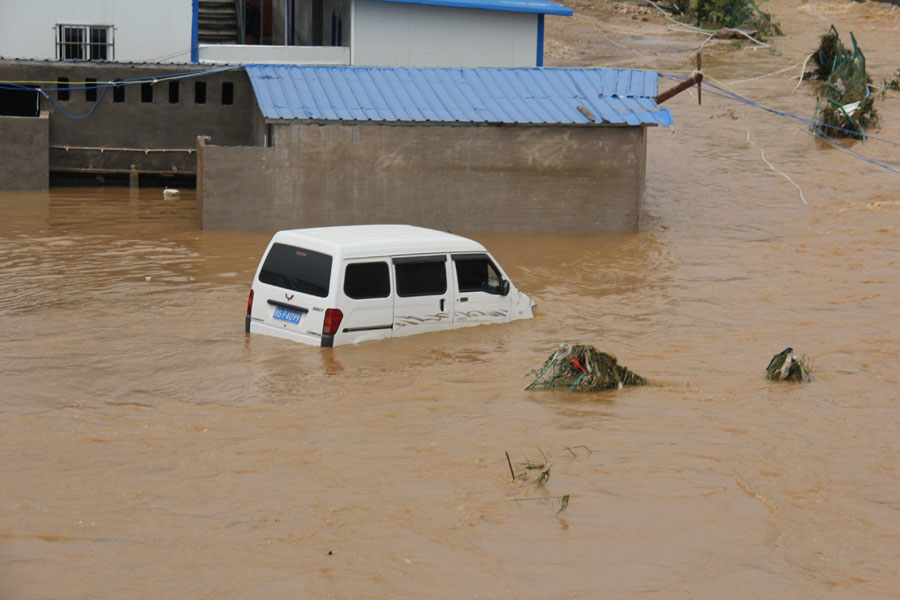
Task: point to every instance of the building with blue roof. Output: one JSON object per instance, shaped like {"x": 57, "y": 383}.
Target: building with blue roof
{"x": 423, "y": 33}
{"x": 469, "y": 150}
{"x": 431, "y": 112}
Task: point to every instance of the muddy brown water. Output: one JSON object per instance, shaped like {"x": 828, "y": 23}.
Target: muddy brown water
{"x": 148, "y": 448}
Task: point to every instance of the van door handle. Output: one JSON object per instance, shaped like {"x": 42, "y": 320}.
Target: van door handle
{"x": 442, "y": 305}
{"x": 463, "y": 299}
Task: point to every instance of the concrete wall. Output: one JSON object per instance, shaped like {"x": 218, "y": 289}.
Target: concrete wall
{"x": 465, "y": 178}
{"x": 157, "y": 125}
{"x": 404, "y": 35}
{"x": 144, "y": 31}
{"x": 25, "y": 156}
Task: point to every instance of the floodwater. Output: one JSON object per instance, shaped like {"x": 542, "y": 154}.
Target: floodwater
{"x": 150, "y": 449}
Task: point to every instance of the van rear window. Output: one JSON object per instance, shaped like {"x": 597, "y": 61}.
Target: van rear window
{"x": 367, "y": 280}
{"x": 299, "y": 269}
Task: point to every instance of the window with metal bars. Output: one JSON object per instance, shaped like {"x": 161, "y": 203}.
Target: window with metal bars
{"x": 84, "y": 42}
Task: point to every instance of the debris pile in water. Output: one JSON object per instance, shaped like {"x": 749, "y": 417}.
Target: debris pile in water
{"x": 893, "y": 84}
{"x": 845, "y": 107}
{"x": 785, "y": 366}
{"x": 583, "y": 368}
{"x": 731, "y": 14}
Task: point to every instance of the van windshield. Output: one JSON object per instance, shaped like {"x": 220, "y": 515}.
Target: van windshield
{"x": 299, "y": 269}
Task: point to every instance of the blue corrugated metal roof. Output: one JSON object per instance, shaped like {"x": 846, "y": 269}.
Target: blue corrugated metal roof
{"x": 544, "y": 7}
{"x": 534, "y": 95}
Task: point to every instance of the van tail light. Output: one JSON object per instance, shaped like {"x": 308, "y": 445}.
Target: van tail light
{"x": 333, "y": 318}
{"x": 250, "y": 303}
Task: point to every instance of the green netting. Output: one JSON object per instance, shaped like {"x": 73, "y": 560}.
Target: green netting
{"x": 582, "y": 368}
{"x": 845, "y": 107}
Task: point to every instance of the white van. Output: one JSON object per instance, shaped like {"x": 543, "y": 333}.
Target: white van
{"x": 328, "y": 286}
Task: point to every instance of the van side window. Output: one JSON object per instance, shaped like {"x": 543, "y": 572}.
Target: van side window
{"x": 476, "y": 274}
{"x": 426, "y": 276}
{"x": 299, "y": 269}
{"x": 367, "y": 280}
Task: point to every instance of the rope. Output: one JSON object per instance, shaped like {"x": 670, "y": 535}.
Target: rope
{"x": 764, "y": 76}
{"x": 134, "y": 81}
{"x": 802, "y": 71}
{"x": 782, "y": 173}
{"x": 713, "y": 85}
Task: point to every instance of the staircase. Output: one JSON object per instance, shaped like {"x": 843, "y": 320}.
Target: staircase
{"x": 217, "y": 22}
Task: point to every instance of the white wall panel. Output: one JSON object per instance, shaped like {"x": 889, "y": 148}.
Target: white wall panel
{"x": 274, "y": 55}
{"x": 144, "y": 30}
{"x": 411, "y": 35}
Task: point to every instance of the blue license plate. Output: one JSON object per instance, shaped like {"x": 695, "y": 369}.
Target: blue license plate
{"x": 285, "y": 314}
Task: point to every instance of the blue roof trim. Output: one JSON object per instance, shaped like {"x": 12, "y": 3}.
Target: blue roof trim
{"x": 542, "y": 7}
{"x": 527, "y": 95}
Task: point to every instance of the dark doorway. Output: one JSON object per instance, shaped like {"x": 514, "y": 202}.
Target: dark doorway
{"x": 22, "y": 102}
{"x": 318, "y": 13}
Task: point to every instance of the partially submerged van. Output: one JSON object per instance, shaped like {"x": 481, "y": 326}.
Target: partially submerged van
{"x": 328, "y": 286}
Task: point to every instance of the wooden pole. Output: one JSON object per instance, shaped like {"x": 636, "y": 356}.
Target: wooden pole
{"x": 509, "y": 462}
{"x": 694, "y": 79}
{"x": 699, "y": 72}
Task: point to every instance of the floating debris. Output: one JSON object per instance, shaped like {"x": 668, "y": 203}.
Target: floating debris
{"x": 563, "y": 501}
{"x": 583, "y": 368}
{"x": 738, "y": 18}
{"x": 785, "y": 366}
{"x": 893, "y": 84}
{"x": 845, "y": 107}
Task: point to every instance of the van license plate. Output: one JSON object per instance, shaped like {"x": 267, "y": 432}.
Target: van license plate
{"x": 284, "y": 314}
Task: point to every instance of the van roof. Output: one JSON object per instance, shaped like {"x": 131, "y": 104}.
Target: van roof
{"x": 359, "y": 241}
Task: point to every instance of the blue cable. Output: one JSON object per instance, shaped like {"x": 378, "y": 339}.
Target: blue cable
{"x": 134, "y": 81}
{"x": 8, "y": 85}
{"x": 816, "y": 132}
{"x": 63, "y": 111}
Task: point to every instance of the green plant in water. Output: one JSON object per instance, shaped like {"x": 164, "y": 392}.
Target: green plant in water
{"x": 831, "y": 52}
{"x": 845, "y": 107}
{"x": 732, "y": 14}
{"x": 785, "y": 366}
{"x": 893, "y": 84}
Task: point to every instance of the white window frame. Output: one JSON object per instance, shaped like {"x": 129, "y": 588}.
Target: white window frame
{"x": 85, "y": 44}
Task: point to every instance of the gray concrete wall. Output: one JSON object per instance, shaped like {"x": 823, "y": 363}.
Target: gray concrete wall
{"x": 132, "y": 123}
{"x": 463, "y": 178}
{"x": 25, "y": 157}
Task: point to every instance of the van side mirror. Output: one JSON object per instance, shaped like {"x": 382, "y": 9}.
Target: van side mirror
{"x": 504, "y": 288}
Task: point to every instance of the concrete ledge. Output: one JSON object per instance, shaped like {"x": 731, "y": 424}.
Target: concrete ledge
{"x": 26, "y": 158}
{"x": 239, "y": 54}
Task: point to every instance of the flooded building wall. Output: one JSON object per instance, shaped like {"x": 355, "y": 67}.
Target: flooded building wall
{"x": 462, "y": 178}
{"x": 24, "y": 164}
{"x": 152, "y": 126}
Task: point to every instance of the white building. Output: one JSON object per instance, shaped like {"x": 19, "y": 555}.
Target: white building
{"x": 420, "y": 33}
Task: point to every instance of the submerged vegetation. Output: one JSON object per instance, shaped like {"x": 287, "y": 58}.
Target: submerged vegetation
{"x": 583, "y": 368}
{"x": 893, "y": 84}
{"x": 733, "y": 14}
{"x": 785, "y": 366}
{"x": 846, "y": 106}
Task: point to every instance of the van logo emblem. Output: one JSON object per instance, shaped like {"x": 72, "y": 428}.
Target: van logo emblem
{"x": 291, "y": 297}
